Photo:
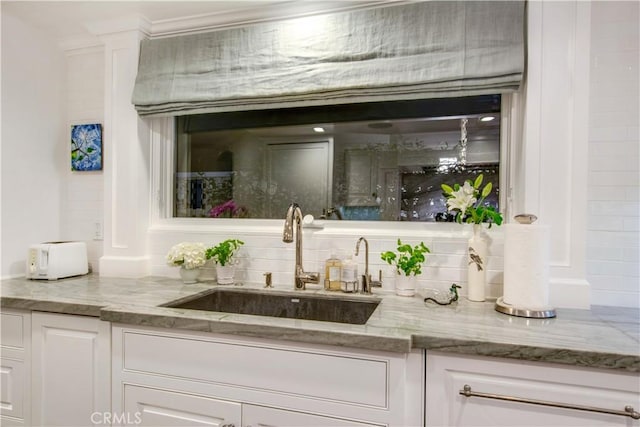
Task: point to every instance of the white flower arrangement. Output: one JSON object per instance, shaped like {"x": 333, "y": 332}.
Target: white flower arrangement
{"x": 467, "y": 202}
{"x": 188, "y": 255}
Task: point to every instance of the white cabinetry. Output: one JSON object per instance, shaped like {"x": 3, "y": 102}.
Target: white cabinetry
{"x": 152, "y": 407}
{"x": 71, "y": 370}
{"x": 15, "y": 367}
{"x": 447, "y": 375}
{"x": 261, "y": 416}
{"x": 361, "y": 171}
{"x": 255, "y": 382}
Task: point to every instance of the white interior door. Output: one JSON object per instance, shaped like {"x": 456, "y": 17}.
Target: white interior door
{"x": 298, "y": 172}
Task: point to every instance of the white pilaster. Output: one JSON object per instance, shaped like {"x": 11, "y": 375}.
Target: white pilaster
{"x": 552, "y": 159}
{"x": 126, "y": 155}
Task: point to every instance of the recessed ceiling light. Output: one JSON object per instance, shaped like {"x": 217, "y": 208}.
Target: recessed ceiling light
{"x": 487, "y": 118}
{"x": 318, "y": 129}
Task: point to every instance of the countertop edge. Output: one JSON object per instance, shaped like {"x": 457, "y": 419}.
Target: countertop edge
{"x": 576, "y": 358}
{"x": 225, "y": 326}
{"x": 61, "y": 307}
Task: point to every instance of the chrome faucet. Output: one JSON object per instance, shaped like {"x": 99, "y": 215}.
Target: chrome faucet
{"x": 294, "y": 214}
{"x": 367, "y": 283}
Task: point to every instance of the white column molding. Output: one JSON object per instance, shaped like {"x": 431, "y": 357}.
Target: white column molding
{"x": 126, "y": 159}
{"x": 551, "y": 162}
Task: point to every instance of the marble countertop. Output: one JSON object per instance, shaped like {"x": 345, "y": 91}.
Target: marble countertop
{"x": 603, "y": 337}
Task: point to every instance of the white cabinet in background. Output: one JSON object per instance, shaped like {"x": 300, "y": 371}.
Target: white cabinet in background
{"x": 71, "y": 370}
{"x": 447, "y": 375}
{"x": 361, "y": 171}
{"x": 274, "y": 383}
{"x": 15, "y": 367}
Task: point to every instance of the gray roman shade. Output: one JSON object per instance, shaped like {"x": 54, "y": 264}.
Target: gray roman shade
{"x": 409, "y": 51}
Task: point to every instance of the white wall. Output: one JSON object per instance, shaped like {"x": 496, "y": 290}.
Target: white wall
{"x": 82, "y": 192}
{"x": 613, "y": 232}
{"x": 34, "y": 153}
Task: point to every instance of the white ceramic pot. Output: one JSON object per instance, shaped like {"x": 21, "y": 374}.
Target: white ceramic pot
{"x": 406, "y": 285}
{"x": 225, "y": 274}
{"x": 189, "y": 276}
{"x": 477, "y": 265}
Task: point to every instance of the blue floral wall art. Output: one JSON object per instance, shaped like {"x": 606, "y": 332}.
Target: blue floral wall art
{"x": 86, "y": 147}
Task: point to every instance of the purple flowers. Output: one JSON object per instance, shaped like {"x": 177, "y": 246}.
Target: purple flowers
{"x": 228, "y": 206}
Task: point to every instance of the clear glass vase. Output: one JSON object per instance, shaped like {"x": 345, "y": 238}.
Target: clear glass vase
{"x": 225, "y": 274}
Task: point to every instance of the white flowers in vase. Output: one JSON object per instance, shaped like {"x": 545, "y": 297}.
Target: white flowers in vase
{"x": 467, "y": 202}
{"x": 188, "y": 255}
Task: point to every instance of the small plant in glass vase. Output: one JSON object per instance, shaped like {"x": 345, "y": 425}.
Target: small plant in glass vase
{"x": 222, "y": 254}
{"x": 468, "y": 204}
{"x": 408, "y": 262}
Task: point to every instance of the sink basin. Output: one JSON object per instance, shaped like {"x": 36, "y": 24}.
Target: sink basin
{"x": 294, "y": 305}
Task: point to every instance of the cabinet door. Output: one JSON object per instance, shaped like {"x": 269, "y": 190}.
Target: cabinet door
{"x": 447, "y": 375}
{"x": 361, "y": 170}
{"x": 15, "y": 365}
{"x": 261, "y": 416}
{"x": 147, "y": 406}
{"x": 71, "y": 370}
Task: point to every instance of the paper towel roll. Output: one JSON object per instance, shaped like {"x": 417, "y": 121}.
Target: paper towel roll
{"x": 526, "y": 266}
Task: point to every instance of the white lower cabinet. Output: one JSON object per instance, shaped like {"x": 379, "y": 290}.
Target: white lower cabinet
{"x": 164, "y": 377}
{"x": 261, "y": 416}
{"x": 146, "y": 406}
{"x": 15, "y": 368}
{"x": 70, "y": 380}
{"x": 504, "y": 392}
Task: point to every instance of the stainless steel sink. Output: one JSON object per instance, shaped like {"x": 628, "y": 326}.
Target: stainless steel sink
{"x": 294, "y": 305}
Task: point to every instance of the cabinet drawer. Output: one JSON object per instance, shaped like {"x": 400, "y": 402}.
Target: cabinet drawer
{"x": 12, "y": 381}
{"x": 537, "y": 382}
{"x": 147, "y": 406}
{"x": 347, "y": 378}
{"x": 12, "y": 330}
{"x": 259, "y": 416}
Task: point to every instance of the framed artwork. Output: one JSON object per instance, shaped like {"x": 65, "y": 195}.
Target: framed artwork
{"x": 86, "y": 147}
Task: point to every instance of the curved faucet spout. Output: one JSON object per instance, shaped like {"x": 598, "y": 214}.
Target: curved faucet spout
{"x": 367, "y": 283}
{"x": 294, "y": 215}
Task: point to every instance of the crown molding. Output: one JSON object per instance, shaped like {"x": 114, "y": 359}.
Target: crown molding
{"x": 113, "y": 26}
{"x": 209, "y": 22}
{"x": 243, "y": 17}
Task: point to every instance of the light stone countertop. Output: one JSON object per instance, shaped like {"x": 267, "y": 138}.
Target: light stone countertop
{"x": 603, "y": 337}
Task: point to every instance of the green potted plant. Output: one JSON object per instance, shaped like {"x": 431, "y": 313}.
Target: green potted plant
{"x": 222, "y": 254}
{"x": 407, "y": 261}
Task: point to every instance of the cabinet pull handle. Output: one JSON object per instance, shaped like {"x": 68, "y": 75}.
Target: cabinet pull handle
{"x": 228, "y": 425}
{"x": 628, "y": 410}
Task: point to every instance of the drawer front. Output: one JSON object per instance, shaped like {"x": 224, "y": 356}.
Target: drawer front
{"x": 349, "y": 378}
{"x": 12, "y": 330}
{"x": 12, "y": 382}
{"x": 554, "y": 384}
{"x": 260, "y": 416}
{"x": 151, "y": 407}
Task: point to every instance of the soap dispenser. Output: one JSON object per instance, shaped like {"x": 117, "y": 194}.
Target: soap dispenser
{"x": 349, "y": 275}
{"x": 332, "y": 273}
